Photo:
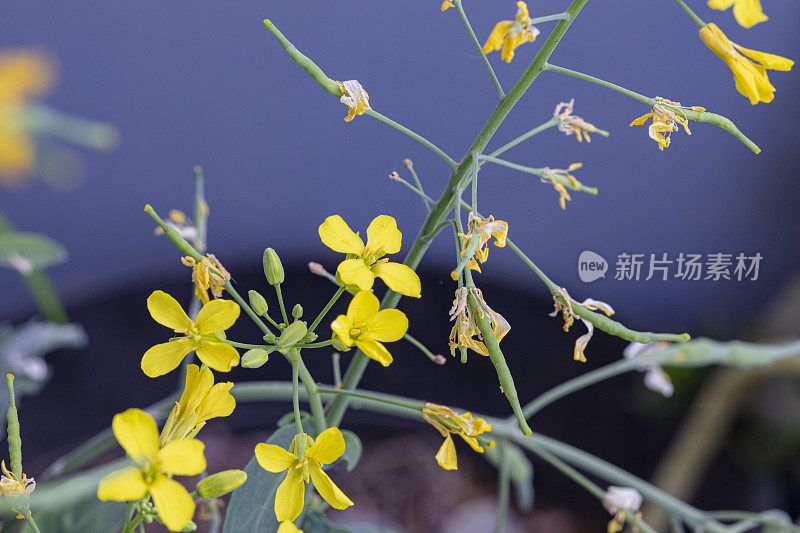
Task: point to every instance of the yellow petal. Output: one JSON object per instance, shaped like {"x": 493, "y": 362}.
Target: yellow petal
{"x": 374, "y": 350}
{"x": 495, "y": 40}
{"x": 164, "y": 358}
{"x": 289, "y": 497}
{"x": 122, "y": 486}
{"x": 17, "y": 153}
{"x": 355, "y": 272}
{"x": 720, "y": 4}
{"x": 341, "y": 326}
{"x": 218, "y": 355}
{"x": 175, "y": 505}
{"x": 447, "y": 4}
{"x": 362, "y": 308}
{"x": 217, "y": 315}
{"x": 337, "y": 235}
{"x": 218, "y": 402}
{"x": 473, "y": 443}
{"x": 400, "y": 278}
{"x": 137, "y": 433}
{"x": 446, "y": 456}
{"x": 641, "y": 120}
{"x": 288, "y": 527}
{"x": 770, "y": 61}
{"x": 273, "y": 458}
{"x": 167, "y": 311}
{"x": 197, "y": 386}
{"x": 383, "y": 235}
{"x": 388, "y": 325}
{"x": 327, "y": 488}
{"x": 327, "y": 447}
{"x": 182, "y": 457}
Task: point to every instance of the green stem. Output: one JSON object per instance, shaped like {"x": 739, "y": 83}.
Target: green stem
{"x": 542, "y": 172}
{"x": 325, "y": 310}
{"x": 419, "y": 186}
{"x": 296, "y": 397}
{"x": 200, "y": 208}
{"x": 337, "y": 369}
{"x": 246, "y": 346}
{"x": 614, "y": 87}
{"x": 314, "y": 400}
{"x": 372, "y": 397}
{"x": 548, "y": 18}
{"x": 503, "y": 489}
{"x": 426, "y": 200}
{"x": 416, "y": 136}
{"x": 280, "y": 303}
{"x": 421, "y": 347}
{"x": 697, "y": 20}
{"x": 477, "y": 44}
{"x": 525, "y": 136}
{"x": 26, "y": 512}
{"x": 320, "y": 344}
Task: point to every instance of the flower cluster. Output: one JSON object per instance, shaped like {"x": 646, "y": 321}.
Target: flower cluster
{"x": 465, "y": 332}
{"x": 483, "y": 229}
{"x": 448, "y": 423}
{"x": 510, "y": 34}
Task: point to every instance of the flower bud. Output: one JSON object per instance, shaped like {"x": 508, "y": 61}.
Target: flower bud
{"x": 316, "y": 268}
{"x": 270, "y": 338}
{"x": 293, "y": 334}
{"x": 273, "y": 269}
{"x": 297, "y": 311}
{"x": 221, "y": 484}
{"x": 408, "y": 163}
{"x": 258, "y": 303}
{"x": 255, "y": 358}
{"x": 439, "y": 359}
{"x": 338, "y": 345}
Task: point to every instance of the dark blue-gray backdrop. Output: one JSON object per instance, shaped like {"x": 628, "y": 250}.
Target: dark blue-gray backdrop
{"x": 203, "y": 82}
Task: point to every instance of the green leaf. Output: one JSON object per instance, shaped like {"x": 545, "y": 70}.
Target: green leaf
{"x": 89, "y": 516}
{"x": 38, "y": 250}
{"x": 316, "y": 522}
{"x": 252, "y": 506}
{"x": 352, "y": 450}
{"x": 520, "y": 470}
{"x": 703, "y": 352}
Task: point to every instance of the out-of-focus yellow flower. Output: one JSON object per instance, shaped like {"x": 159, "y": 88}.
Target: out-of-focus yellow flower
{"x": 750, "y": 72}
{"x": 288, "y": 527}
{"x": 465, "y": 331}
{"x": 368, "y": 327}
{"x": 447, "y": 4}
{"x": 208, "y": 274}
{"x": 665, "y": 120}
{"x": 569, "y": 318}
{"x": 618, "y": 501}
{"x": 354, "y": 97}
{"x": 364, "y": 262}
{"x": 25, "y": 75}
{"x": 447, "y": 422}
{"x": 137, "y": 433}
{"x": 570, "y": 124}
{"x": 182, "y": 224}
{"x": 326, "y": 449}
{"x": 509, "y": 34}
{"x": 557, "y": 178}
{"x": 204, "y": 336}
{"x": 201, "y": 400}
{"x": 748, "y": 13}
{"x": 483, "y": 229}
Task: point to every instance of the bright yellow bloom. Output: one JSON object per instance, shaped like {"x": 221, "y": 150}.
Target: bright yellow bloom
{"x": 288, "y": 527}
{"x": 560, "y": 179}
{"x": 204, "y": 335}
{"x": 364, "y": 263}
{"x": 208, "y": 274}
{"x": 483, "y": 229}
{"x": 748, "y": 13}
{"x": 509, "y": 34}
{"x": 137, "y": 433}
{"x": 749, "y": 73}
{"x": 569, "y": 318}
{"x": 354, "y": 97}
{"x": 447, "y": 421}
{"x": 201, "y": 400}
{"x": 367, "y": 327}
{"x": 665, "y": 120}
{"x": 326, "y": 449}
{"x": 465, "y": 331}
{"x": 24, "y": 75}
{"x": 570, "y": 124}
{"x": 447, "y": 4}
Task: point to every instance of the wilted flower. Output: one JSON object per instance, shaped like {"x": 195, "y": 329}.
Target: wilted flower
{"x": 354, "y": 97}
{"x": 483, "y": 229}
{"x": 665, "y": 120}
{"x": 183, "y": 226}
{"x": 207, "y": 274}
{"x": 569, "y": 318}
{"x": 559, "y": 179}
{"x": 465, "y": 331}
{"x": 570, "y": 124}
{"x": 509, "y": 34}
{"x": 618, "y": 501}
{"x": 447, "y": 422}
{"x": 655, "y": 378}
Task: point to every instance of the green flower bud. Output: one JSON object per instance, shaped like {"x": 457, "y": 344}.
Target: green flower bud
{"x": 293, "y": 334}
{"x": 311, "y": 337}
{"x": 338, "y": 345}
{"x": 273, "y": 269}
{"x": 255, "y": 358}
{"x": 297, "y": 311}
{"x": 191, "y": 526}
{"x": 258, "y": 303}
{"x": 221, "y": 483}
{"x": 270, "y": 338}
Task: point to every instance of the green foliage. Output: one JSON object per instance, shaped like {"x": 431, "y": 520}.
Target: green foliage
{"x": 352, "y": 450}
{"x": 37, "y": 250}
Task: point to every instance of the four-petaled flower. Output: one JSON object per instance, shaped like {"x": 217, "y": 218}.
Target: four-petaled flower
{"x": 201, "y": 400}
{"x": 665, "y": 120}
{"x": 367, "y": 327}
{"x": 364, "y": 262}
{"x": 748, "y": 13}
{"x": 509, "y": 34}
{"x": 326, "y": 449}
{"x": 569, "y": 318}
{"x": 465, "y": 330}
{"x": 483, "y": 229}
{"x": 750, "y": 72}
{"x": 447, "y": 422}
{"x": 204, "y": 335}
{"x": 208, "y": 274}
{"x": 137, "y": 433}
{"x": 354, "y": 97}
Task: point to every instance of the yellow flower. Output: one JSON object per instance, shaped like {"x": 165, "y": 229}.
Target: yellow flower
{"x": 748, "y": 13}
{"x": 327, "y": 448}
{"x": 204, "y": 335}
{"x": 509, "y": 34}
{"x": 483, "y": 230}
{"x": 24, "y": 75}
{"x": 184, "y": 226}
{"x": 447, "y": 4}
{"x": 201, "y": 400}
{"x": 208, "y": 274}
{"x": 570, "y": 124}
{"x": 569, "y": 318}
{"x": 367, "y": 327}
{"x": 12, "y": 487}
{"x": 447, "y": 421}
{"x": 465, "y": 330}
{"x": 364, "y": 262}
{"x": 288, "y": 527}
{"x": 354, "y": 97}
{"x": 137, "y": 433}
{"x": 749, "y": 73}
{"x": 665, "y": 120}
